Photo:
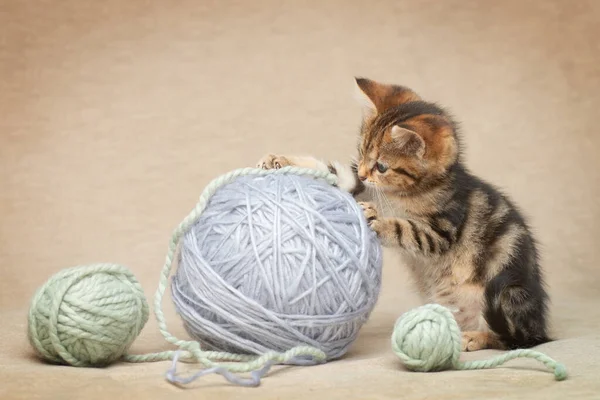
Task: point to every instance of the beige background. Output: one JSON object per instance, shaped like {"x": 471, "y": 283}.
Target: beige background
{"x": 114, "y": 115}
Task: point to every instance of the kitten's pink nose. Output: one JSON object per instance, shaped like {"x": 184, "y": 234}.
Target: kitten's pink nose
{"x": 362, "y": 177}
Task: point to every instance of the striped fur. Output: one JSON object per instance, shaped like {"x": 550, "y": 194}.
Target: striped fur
{"x": 466, "y": 243}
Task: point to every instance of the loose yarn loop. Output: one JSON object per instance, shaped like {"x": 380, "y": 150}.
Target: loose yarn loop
{"x": 428, "y": 338}
{"x": 87, "y": 315}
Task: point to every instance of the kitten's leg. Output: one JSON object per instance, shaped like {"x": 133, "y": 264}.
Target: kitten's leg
{"x": 465, "y": 300}
{"x": 347, "y": 177}
{"x": 514, "y": 306}
{"x": 411, "y": 235}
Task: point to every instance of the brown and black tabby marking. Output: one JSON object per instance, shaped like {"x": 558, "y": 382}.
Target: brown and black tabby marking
{"x": 466, "y": 244}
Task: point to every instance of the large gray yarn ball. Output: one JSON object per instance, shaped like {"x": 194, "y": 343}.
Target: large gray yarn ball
{"x": 278, "y": 261}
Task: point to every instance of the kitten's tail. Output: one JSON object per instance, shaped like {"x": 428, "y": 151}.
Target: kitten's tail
{"x": 515, "y": 313}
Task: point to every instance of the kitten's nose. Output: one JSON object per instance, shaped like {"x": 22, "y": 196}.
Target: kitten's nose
{"x": 362, "y": 177}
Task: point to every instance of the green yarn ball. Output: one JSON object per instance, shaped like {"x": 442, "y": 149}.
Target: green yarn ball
{"x": 87, "y": 316}
{"x": 427, "y": 338}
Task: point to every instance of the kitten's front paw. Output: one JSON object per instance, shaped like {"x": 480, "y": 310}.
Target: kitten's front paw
{"x": 369, "y": 211}
{"x": 377, "y": 225}
{"x": 272, "y": 161}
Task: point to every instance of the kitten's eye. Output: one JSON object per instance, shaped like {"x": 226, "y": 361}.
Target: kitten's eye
{"x": 381, "y": 167}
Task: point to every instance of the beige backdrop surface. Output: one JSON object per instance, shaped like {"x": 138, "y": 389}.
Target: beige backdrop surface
{"x": 114, "y": 115}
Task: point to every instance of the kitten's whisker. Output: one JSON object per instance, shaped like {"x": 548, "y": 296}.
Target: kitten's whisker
{"x": 379, "y": 201}
{"x": 389, "y": 204}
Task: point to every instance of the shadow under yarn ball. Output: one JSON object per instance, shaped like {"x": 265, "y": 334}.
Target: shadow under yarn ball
{"x": 278, "y": 261}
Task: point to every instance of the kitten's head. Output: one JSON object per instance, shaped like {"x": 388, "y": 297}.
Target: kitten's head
{"x": 406, "y": 144}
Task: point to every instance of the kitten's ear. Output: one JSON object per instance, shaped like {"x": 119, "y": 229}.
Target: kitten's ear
{"x": 378, "y": 97}
{"x": 360, "y": 94}
{"x": 407, "y": 142}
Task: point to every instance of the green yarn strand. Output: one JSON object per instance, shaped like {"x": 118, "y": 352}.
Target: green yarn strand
{"x": 560, "y": 372}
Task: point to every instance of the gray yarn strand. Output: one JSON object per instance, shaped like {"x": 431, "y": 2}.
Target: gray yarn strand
{"x": 274, "y": 262}
{"x": 254, "y": 379}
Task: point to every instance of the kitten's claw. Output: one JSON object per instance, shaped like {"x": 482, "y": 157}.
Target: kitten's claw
{"x": 272, "y": 161}
{"x": 369, "y": 211}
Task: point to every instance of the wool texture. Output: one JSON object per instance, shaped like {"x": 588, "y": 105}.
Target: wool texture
{"x": 278, "y": 261}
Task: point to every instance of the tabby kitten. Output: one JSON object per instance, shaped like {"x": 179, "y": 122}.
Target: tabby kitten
{"x": 466, "y": 244}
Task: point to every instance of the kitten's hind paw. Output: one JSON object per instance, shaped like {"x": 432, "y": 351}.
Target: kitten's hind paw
{"x": 474, "y": 341}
